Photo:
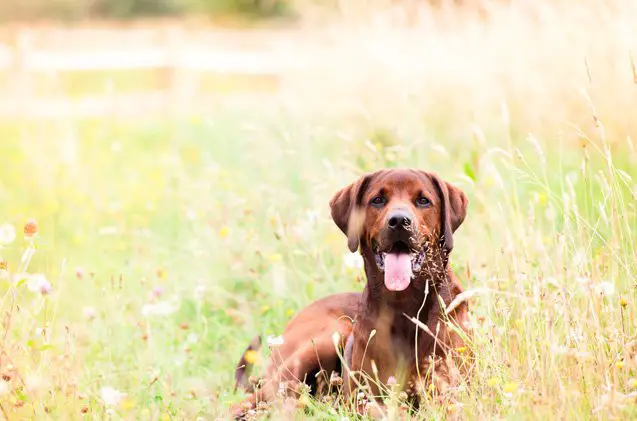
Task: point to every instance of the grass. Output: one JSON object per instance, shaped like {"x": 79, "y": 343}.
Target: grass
{"x": 169, "y": 242}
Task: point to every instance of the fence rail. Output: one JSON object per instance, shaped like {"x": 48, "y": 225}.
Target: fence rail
{"x": 256, "y": 63}
{"x": 180, "y": 54}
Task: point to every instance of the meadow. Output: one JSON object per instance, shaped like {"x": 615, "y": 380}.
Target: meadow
{"x": 139, "y": 256}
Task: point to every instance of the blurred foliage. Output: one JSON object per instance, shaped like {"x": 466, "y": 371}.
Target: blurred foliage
{"x": 123, "y": 9}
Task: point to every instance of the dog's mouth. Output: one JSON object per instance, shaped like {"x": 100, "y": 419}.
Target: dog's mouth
{"x": 399, "y": 263}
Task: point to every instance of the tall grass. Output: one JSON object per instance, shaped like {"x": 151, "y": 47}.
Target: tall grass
{"x": 169, "y": 243}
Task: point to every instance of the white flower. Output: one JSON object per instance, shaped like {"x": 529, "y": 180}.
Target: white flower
{"x": 35, "y": 383}
{"x": 192, "y": 339}
{"x": 89, "y": 312}
{"x": 110, "y": 396}
{"x": 353, "y": 260}
{"x": 275, "y": 340}
{"x": 5, "y": 388}
{"x": 7, "y": 233}
{"x": 162, "y": 308}
{"x": 200, "y": 291}
{"x": 38, "y": 283}
{"x": 605, "y": 288}
{"x": 312, "y": 216}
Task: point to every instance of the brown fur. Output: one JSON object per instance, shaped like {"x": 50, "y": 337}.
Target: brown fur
{"x": 399, "y": 348}
{"x": 415, "y": 356}
{"x": 307, "y": 353}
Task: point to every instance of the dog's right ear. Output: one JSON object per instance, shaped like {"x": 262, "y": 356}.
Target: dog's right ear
{"x": 347, "y": 211}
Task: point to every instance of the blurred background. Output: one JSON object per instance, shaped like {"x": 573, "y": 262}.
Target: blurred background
{"x": 166, "y": 168}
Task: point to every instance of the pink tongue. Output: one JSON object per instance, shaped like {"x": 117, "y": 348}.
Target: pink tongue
{"x": 397, "y": 271}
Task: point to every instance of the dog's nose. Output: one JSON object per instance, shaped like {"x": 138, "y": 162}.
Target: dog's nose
{"x": 398, "y": 220}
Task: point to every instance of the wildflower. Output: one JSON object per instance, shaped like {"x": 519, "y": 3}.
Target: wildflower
{"x": 31, "y": 228}
{"x": 312, "y": 216}
{"x": 275, "y": 257}
{"x": 275, "y": 340}
{"x": 620, "y": 364}
{"x": 391, "y": 381}
{"x": 493, "y": 381}
{"x": 353, "y": 261}
{"x": 38, "y": 283}
{"x": 157, "y": 292}
{"x": 5, "y": 388}
{"x": 7, "y": 234}
{"x": 605, "y": 288}
{"x": 79, "y": 273}
{"x": 128, "y": 404}
{"x": 224, "y": 232}
{"x": 89, "y": 313}
{"x": 160, "y": 309}
{"x": 34, "y": 383}
{"x": 110, "y": 396}
{"x": 251, "y": 356}
{"x": 623, "y": 302}
{"x": 3, "y": 264}
{"x": 509, "y": 387}
{"x": 289, "y": 312}
{"x": 461, "y": 349}
{"x": 199, "y": 291}
{"x": 161, "y": 273}
{"x": 45, "y": 288}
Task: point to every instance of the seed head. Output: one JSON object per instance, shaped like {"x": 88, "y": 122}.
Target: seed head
{"x": 31, "y": 228}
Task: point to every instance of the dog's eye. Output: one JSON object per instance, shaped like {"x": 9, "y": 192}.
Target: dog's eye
{"x": 423, "y": 202}
{"x": 378, "y": 201}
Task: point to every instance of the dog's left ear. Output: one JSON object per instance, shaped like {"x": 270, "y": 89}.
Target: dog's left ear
{"x": 347, "y": 212}
{"x": 453, "y": 209}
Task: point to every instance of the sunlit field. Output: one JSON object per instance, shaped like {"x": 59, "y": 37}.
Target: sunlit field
{"x": 140, "y": 253}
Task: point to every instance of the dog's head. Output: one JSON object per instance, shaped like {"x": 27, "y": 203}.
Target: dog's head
{"x": 397, "y": 216}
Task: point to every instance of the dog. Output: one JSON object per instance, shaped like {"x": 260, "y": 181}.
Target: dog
{"x": 406, "y": 330}
{"x": 307, "y": 354}
{"x": 408, "y": 325}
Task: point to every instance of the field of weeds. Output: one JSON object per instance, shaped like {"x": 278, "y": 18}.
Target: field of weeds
{"x": 139, "y": 256}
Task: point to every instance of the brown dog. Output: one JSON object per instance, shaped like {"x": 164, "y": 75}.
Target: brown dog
{"x": 402, "y": 221}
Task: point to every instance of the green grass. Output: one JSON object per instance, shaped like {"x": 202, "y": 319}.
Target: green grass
{"x": 218, "y": 214}
{"x": 224, "y": 218}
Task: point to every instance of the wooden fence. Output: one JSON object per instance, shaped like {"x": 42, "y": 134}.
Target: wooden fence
{"x": 182, "y": 59}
